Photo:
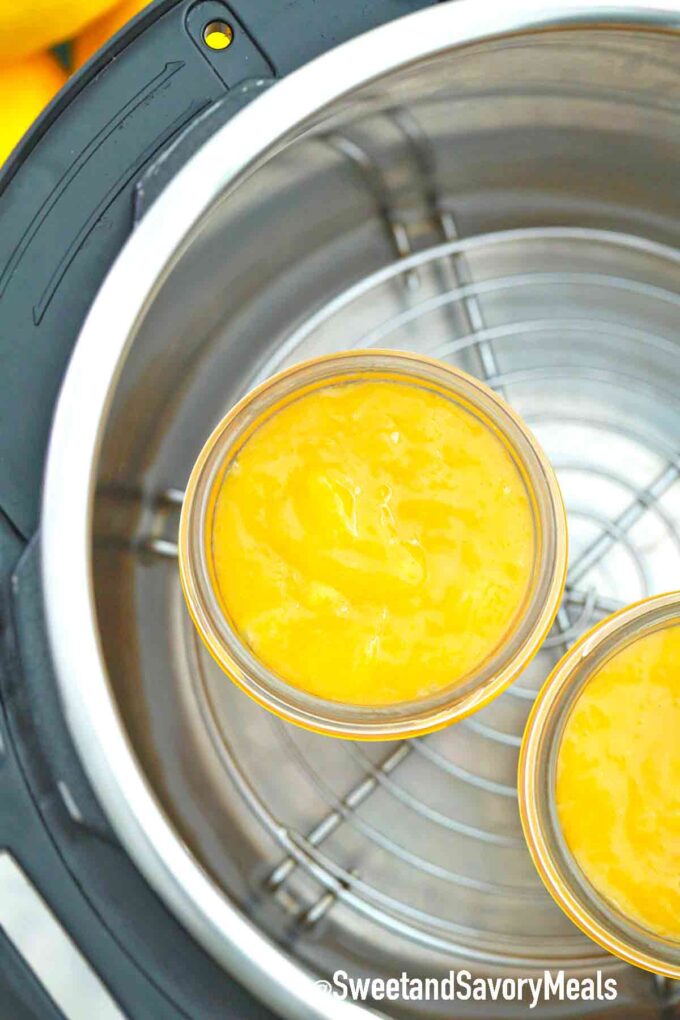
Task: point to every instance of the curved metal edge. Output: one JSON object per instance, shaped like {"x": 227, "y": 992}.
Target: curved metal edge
{"x": 89, "y": 706}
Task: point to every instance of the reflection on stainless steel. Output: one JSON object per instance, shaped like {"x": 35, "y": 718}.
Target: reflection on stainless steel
{"x": 53, "y": 959}
{"x": 508, "y": 206}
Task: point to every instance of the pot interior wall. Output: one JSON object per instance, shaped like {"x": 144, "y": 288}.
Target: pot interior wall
{"x": 510, "y": 207}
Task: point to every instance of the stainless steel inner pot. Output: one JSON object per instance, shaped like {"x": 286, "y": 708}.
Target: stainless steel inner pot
{"x": 496, "y": 187}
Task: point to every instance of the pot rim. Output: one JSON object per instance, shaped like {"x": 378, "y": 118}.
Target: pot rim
{"x": 157, "y": 243}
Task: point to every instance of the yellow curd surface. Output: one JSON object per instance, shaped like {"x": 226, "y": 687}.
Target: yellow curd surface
{"x": 618, "y": 781}
{"x": 372, "y": 542}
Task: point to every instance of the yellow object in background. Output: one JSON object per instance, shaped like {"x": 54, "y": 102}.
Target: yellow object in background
{"x": 29, "y": 26}
{"x": 618, "y": 781}
{"x": 372, "y": 542}
{"x": 101, "y": 30}
{"x": 26, "y": 86}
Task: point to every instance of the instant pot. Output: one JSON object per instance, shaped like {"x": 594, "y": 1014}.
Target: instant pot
{"x": 492, "y": 184}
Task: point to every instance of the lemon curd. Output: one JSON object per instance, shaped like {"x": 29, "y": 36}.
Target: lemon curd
{"x": 372, "y": 542}
{"x": 618, "y": 781}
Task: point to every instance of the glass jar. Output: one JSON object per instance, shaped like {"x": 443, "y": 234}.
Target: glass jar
{"x": 561, "y": 874}
{"x": 465, "y": 694}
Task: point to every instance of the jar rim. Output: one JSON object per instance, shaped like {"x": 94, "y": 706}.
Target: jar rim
{"x": 559, "y": 871}
{"x": 402, "y": 719}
